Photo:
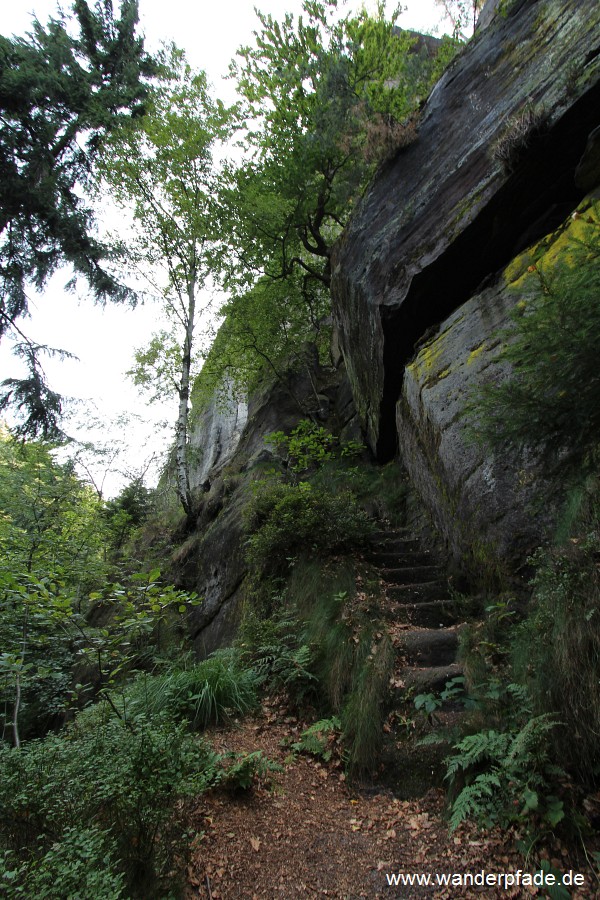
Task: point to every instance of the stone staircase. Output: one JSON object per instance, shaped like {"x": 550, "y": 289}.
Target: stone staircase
{"x": 421, "y": 617}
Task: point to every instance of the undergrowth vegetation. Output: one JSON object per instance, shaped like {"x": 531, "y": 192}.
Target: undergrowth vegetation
{"x": 530, "y": 753}
{"x": 312, "y": 621}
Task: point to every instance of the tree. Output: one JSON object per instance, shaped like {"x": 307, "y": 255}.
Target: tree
{"x": 318, "y": 95}
{"x": 59, "y": 97}
{"x": 164, "y": 166}
{"x": 51, "y": 548}
{"x": 324, "y": 101}
{"x": 266, "y": 330}
{"x": 463, "y": 14}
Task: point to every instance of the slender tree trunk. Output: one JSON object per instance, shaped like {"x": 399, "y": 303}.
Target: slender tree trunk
{"x": 183, "y": 470}
{"x": 17, "y": 707}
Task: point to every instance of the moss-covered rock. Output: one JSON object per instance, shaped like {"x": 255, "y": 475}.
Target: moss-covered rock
{"x": 492, "y": 170}
{"x": 491, "y": 507}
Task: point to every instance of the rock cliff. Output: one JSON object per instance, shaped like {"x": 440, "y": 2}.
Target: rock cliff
{"x": 506, "y": 149}
{"x": 230, "y": 441}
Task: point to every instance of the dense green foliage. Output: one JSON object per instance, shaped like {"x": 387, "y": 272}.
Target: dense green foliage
{"x": 325, "y": 98}
{"x": 507, "y": 776}
{"x": 533, "y": 676}
{"x": 288, "y": 519}
{"x": 59, "y": 96}
{"x": 557, "y": 650}
{"x": 113, "y": 790}
{"x": 312, "y": 623}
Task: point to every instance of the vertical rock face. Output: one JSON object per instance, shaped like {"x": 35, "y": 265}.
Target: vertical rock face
{"x": 231, "y": 441}
{"x": 216, "y": 434}
{"x": 492, "y": 169}
{"x": 507, "y": 148}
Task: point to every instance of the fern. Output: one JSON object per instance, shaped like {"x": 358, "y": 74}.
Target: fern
{"x": 476, "y": 748}
{"x": 477, "y": 800}
{"x": 529, "y": 742}
{"x": 318, "y": 739}
{"x": 515, "y": 783}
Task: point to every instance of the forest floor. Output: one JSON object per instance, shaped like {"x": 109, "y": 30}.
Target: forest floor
{"x": 309, "y": 832}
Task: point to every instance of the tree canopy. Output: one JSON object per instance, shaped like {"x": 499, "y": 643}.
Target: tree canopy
{"x": 60, "y": 95}
{"x": 163, "y": 165}
{"x": 324, "y": 99}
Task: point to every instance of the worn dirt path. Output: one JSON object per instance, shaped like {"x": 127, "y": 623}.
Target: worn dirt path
{"x": 310, "y": 833}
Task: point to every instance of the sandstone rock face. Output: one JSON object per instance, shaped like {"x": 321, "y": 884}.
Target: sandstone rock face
{"x": 234, "y": 438}
{"x": 492, "y": 170}
{"x": 487, "y": 505}
{"x": 484, "y": 504}
{"x": 216, "y": 434}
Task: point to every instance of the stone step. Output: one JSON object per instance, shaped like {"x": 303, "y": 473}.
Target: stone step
{"x": 413, "y": 558}
{"x": 429, "y": 646}
{"x": 431, "y": 679}
{"x": 395, "y": 543}
{"x": 384, "y": 534}
{"x": 417, "y": 591}
{"x": 431, "y": 614}
{"x": 412, "y": 574}
{"x": 392, "y": 558}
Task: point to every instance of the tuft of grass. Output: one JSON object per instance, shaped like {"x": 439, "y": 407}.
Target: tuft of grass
{"x": 362, "y": 713}
{"x": 205, "y": 694}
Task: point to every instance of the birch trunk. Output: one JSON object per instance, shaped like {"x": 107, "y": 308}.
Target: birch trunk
{"x": 183, "y": 470}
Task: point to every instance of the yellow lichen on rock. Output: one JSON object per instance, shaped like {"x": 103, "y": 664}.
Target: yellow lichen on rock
{"x": 542, "y": 257}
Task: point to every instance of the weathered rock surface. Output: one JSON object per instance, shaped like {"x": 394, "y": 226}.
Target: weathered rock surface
{"x": 212, "y": 561}
{"x": 484, "y": 504}
{"x": 487, "y": 505}
{"x": 492, "y": 170}
{"x": 216, "y": 434}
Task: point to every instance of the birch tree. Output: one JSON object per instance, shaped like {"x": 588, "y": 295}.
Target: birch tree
{"x": 162, "y": 169}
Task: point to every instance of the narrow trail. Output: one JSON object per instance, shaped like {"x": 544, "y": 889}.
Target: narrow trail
{"x": 309, "y": 832}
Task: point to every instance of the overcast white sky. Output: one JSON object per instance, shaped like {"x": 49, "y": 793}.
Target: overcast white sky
{"x": 104, "y": 340}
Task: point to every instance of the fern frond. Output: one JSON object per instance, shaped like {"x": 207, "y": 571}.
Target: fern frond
{"x": 474, "y": 799}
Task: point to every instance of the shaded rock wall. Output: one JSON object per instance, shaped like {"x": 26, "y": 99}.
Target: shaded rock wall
{"x": 492, "y": 170}
{"x": 212, "y": 561}
{"x": 486, "y": 504}
{"x": 507, "y": 148}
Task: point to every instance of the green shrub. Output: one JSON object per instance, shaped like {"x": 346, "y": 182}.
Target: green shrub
{"x": 557, "y": 651}
{"x": 382, "y": 491}
{"x": 205, "y": 694}
{"x": 309, "y": 446}
{"x": 79, "y": 865}
{"x": 287, "y": 520}
{"x": 117, "y": 785}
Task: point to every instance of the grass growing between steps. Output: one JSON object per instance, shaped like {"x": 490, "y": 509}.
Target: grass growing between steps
{"x": 328, "y": 647}
{"x": 313, "y": 620}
